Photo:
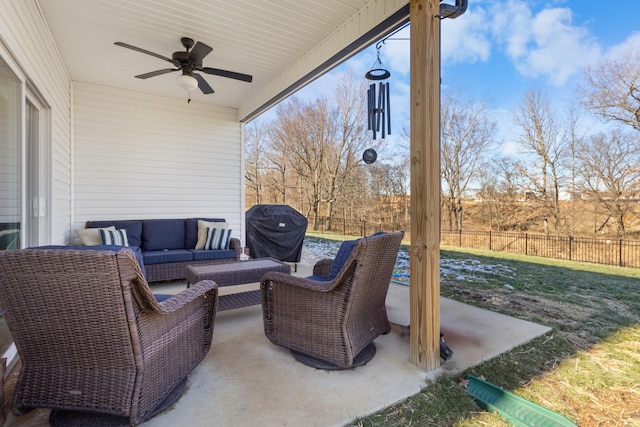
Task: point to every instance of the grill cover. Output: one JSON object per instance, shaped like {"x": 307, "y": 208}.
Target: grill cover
{"x": 275, "y": 231}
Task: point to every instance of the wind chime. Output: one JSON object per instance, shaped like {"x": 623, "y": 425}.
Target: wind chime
{"x": 378, "y": 104}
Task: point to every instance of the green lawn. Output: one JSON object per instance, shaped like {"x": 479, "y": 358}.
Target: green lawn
{"x": 587, "y": 368}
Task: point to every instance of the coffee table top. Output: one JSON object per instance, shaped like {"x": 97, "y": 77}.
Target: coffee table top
{"x": 237, "y": 265}
{"x": 235, "y": 272}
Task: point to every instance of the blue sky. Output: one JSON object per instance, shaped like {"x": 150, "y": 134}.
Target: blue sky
{"x": 499, "y": 49}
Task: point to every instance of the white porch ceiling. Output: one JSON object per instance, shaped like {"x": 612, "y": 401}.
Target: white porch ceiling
{"x": 281, "y": 43}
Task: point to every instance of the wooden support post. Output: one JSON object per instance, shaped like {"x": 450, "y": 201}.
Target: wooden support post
{"x": 425, "y": 184}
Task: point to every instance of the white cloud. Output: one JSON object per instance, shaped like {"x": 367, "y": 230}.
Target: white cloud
{"x": 630, "y": 44}
{"x": 466, "y": 39}
{"x": 543, "y": 44}
{"x": 546, "y": 44}
{"x": 395, "y": 52}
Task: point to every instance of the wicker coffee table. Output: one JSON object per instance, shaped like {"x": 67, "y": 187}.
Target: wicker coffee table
{"x": 236, "y": 273}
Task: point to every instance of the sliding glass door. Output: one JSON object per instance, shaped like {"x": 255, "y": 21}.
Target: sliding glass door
{"x": 11, "y": 172}
{"x": 10, "y": 158}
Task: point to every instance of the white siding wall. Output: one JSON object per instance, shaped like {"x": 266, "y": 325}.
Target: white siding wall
{"x": 25, "y": 35}
{"x": 140, "y": 156}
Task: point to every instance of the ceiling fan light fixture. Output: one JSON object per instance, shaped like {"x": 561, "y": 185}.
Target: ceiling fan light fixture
{"x": 187, "y": 82}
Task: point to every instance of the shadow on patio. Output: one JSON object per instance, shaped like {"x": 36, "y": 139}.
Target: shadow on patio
{"x": 245, "y": 380}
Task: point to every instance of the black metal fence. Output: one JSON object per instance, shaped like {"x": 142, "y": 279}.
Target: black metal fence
{"x": 619, "y": 252}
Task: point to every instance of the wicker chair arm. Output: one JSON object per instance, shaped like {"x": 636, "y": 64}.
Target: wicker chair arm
{"x": 205, "y": 288}
{"x": 279, "y": 279}
{"x": 236, "y": 245}
{"x": 322, "y": 268}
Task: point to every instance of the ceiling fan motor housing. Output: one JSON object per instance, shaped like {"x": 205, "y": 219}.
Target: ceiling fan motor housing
{"x": 187, "y": 42}
{"x": 180, "y": 56}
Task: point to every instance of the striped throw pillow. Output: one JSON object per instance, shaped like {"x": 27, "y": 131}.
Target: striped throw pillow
{"x": 117, "y": 237}
{"x": 217, "y": 238}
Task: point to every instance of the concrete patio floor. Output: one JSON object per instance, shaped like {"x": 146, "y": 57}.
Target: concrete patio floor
{"x": 247, "y": 381}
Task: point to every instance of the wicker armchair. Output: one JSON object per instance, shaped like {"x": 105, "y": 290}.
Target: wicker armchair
{"x": 331, "y": 324}
{"x": 93, "y": 340}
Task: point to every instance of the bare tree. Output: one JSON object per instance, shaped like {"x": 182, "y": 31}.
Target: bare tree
{"x": 612, "y": 88}
{"x": 575, "y": 130}
{"x": 345, "y": 153}
{"x": 467, "y": 134}
{"x": 501, "y": 196}
{"x": 302, "y": 134}
{"x": 255, "y": 139}
{"x": 540, "y": 138}
{"x": 609, "y": 168}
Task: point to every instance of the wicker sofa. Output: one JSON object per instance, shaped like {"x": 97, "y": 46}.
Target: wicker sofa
{"x": 168, "y": 245}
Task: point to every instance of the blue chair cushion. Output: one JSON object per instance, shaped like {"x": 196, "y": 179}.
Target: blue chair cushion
{"x": 162, "y": 297}
{"x": 161, "y": 257}
{"x": 134, "y": 229}
{"x": 135, "y": 249}
{"x": 341, "y": 257}
{"x": 161, "y": 234}
{"x": 201, "y": 254}
{"x": 343, "y": 254}
{"x": 318, "y": 278}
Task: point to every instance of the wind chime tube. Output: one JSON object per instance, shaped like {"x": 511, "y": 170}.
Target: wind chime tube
{"x": 383, "y": 97}
{"x": 379, "y": 110}
{"x": 371, "y": 93}
{"x": 388, "y": 110}
{"x": 373, "y": 110}
{"x": 369, "y": 108}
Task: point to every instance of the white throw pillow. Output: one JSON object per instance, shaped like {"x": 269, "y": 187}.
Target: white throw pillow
{"x": 115, "y": 238}
{"x": 202, "y": 231}
{"x": 217, "y": 238}
{"x": 91, "y": 236}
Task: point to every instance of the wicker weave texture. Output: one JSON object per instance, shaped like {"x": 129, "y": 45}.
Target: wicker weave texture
{"x": 92, "y": 337}
{"x": 236, "y": 273}
{"x": 333, "y": 320}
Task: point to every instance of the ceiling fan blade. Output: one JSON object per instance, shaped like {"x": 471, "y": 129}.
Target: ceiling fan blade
{"x": 139, "y": 49}
{"x": 202, "y": 84}
{"x": 229, "y": 74}
{"x": 199, "y": 51}
{"x": 156, "y": 73}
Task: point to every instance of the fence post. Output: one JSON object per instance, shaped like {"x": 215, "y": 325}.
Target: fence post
{"x": 570, "y": 247}
{"x": 460, "y": 238}
{"x": 490, "y": 240}
{"x": 620, "y": 263}
{"x": 526, "y": 243}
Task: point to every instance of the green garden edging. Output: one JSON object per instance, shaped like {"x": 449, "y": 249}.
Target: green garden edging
{"x": 517, "y": 411}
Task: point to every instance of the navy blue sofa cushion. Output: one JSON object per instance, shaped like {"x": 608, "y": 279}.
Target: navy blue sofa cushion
{"x": 161, "y": 257}
{"x": 162, "y": 297}
{"x": 200, "y": 255}
{"x": 135, "y": 249}
{"x": 191, "y": 230}
{"x": 134, "y": 229}
{"x": 341, "y": 257}
{"x": 318, "y": 278}
{"x": 161, "y": 234}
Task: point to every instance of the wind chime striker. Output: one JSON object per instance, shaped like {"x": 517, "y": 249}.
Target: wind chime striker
{"x": 378, "y": 102}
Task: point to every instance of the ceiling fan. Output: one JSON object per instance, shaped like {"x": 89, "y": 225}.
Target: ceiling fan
{"x": 188, "y": 62}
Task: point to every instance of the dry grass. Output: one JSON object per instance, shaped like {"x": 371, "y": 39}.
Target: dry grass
{"x": 587, "y": 368}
